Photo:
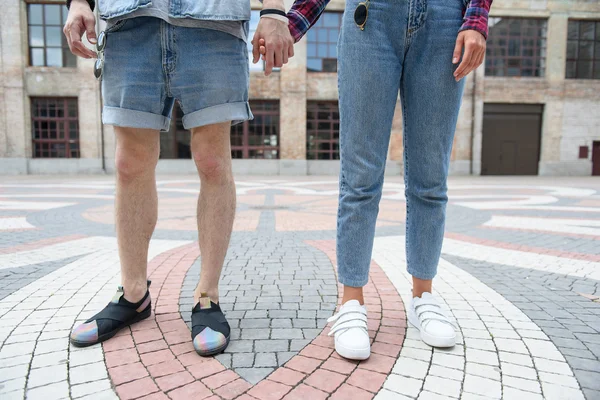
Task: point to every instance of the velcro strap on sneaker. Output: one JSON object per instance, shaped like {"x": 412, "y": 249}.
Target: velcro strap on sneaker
{"x": 348, "y": 310}
{"x": 355, "y": 323}
{"x": 347, "y": 318}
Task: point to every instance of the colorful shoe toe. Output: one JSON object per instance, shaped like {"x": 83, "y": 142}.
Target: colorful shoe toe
{"x": 118, "y": 314}
{"x": 210, "y": 330}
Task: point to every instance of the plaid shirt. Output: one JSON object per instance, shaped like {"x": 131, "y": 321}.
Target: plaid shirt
{"x": 305, "y": 13}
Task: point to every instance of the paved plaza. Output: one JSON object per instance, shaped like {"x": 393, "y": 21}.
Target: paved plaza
{"x": 519, "y": 275}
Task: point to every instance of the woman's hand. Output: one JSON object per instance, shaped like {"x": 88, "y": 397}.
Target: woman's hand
{"x": 473, "y": 44}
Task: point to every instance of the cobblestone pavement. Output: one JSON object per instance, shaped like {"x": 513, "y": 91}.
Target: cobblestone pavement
{"x": 519, "y": 276}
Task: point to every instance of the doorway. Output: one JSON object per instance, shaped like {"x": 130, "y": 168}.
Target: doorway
{"x": 511, "y": 139}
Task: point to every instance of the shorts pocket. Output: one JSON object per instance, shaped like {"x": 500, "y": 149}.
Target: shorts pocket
{"x": 116, "y": 26}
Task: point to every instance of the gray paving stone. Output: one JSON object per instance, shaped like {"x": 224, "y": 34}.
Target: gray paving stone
{"x": 225, "y": 359}
{"x": 588, "y": 379}
{"x": 265, "y": 360}
{"x": 239, "y": 346}
{"x": 583, "y": 363}
{"x": 285, "y": 356}
{"x": 282, "y": 314}
{"x": 281, "y": 323}
{"x": 242, "y": 360}
{"x": 287, "y": 334}
{"x": 265, "y": 346}
{"x": 254, "y": 375}
{"x": 304, "y": 323}
{"x": 255, "y": 323}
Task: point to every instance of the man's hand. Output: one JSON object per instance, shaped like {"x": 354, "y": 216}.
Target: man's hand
{"x": 81, "y": 19}
{"x": 276, "y": 41}
{"x": 474, "y": 44}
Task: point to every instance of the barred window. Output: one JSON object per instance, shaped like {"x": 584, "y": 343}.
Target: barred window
{"x": 322, "y": 131}
{"x": 55, "y": 127}
{"x": 258, "y": 138}
{"x": 516, "y": 47}
{"x": 583, "y": 50}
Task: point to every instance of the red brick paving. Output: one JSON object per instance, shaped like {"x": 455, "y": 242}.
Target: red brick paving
{"x": 234, "y": 389}
{"x": 368, "y": 380}
{"x": 287, "y": 376}
{"x": 305, "y": 392}
{"x": 158, "y": 354}
{"x": 325, "y": 380}
{"x": 269, "y": 390}
{"x": 348, "y": 392}
{"x": 220, "y": 379}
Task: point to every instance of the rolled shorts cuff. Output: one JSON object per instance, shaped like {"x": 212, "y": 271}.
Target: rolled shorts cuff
{"x": 134, "y": 119}
{"x": 234, "y": 112}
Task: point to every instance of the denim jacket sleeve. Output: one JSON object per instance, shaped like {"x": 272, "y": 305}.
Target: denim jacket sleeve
{"x": 476, "y": 16}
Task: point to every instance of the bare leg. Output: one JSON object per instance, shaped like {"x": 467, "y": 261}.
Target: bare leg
{"x": 216, "y": 205}
{"x": 421, "y": 286}
{"x": 353, "y": 293}
{"x": 135, "y": 205}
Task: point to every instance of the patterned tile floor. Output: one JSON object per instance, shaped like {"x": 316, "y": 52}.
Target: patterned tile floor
{"x": 519, "y": 275}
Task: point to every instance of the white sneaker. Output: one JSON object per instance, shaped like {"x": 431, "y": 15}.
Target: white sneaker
{"x": 350, "y": 330}
{"x": 427, "y": 316}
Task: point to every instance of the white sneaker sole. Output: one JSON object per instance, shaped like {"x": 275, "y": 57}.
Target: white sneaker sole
{"x": 353, "y": 354}
{"x": 431, "y": 340}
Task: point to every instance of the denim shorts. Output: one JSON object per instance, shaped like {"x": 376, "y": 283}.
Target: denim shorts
{"x": 149, "y": 64}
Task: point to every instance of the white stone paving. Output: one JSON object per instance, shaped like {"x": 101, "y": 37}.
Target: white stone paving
{"x": 36, "y": 362}
{"x": 561, "y": 225}
{"x": 495, "y": 356}
{"x": 524, "y": 259}
{"x": 11, "y": 223}
{"x": 31, "y": 205}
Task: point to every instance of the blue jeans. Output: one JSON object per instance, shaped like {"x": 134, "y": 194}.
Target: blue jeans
{"x": 406, "y": 45}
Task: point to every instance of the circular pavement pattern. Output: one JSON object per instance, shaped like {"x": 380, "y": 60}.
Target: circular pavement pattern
{"x": 519, "y": 276}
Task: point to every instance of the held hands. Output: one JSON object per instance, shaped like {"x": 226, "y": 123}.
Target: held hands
{"x": 81, "y": 19}
{"x": 474, "y": 44}
{"x": 273, "y": 42}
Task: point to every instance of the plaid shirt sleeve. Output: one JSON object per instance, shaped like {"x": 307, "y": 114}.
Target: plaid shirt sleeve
{"x": 303, "y": 15}
{"x": 476, "y": 17}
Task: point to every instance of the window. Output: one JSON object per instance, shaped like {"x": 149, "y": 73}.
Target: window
{"x": 176, "y": 142}
{"x": 258, "y": 138}
{"x": 322, "y": 43}
{"x": 583, "y": 50}
{"x": 47, "y": 44}
{"x": 516, "y": 47}
{"x": 322, "y": 131}
{"x": 55, "y": 127}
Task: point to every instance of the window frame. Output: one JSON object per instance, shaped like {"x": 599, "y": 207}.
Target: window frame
{"x": 315, "y": 30}
{"x": 538, "y": 64}
{"x": 245, "y": 147}
{"x": 595, "y": 42}
{"x": 70, "y": 144}
{"x": 332, "y": 108}
{"x": 65, "y": 51}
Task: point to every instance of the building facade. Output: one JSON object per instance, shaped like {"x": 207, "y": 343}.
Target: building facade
{"x": 532, "y": 109}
